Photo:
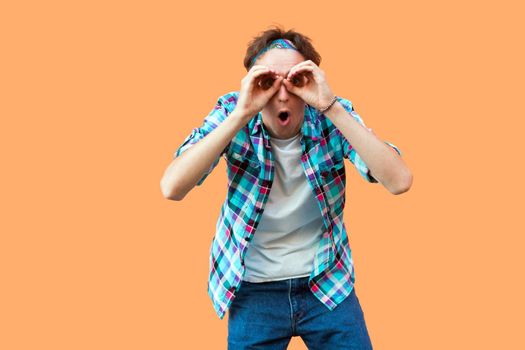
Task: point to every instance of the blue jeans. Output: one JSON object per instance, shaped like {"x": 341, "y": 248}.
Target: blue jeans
{"x": 266, "y": 315}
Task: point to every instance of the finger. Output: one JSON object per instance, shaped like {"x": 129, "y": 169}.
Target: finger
{"x": 312, "y": 67}
{"x": 254, "y": 73}
{"x": 292, "y": 88}
{"x": 258, "y": 72}
{"x": 289, "y": 86}
{"x": 297, "y": 70}
{"x": 306, "y": 72}
{"x": 270, "y": 90}
{"x": 270, "y": 82}
{"x": 262, "y": 78}
{"x": 277, "y": 83}
{"x": 307, "y": 63}
{"x": 260, "y": 66}
{"x": 262, "y": 71}
{"x": 301, "y": 78}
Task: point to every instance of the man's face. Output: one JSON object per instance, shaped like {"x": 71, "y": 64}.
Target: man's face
{"x": 282, "y": 60}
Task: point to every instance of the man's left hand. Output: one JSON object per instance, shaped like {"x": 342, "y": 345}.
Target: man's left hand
{"x": 308, "y": 81}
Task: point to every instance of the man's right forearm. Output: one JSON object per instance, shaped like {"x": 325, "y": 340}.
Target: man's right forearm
{"x": 185, "y": 171}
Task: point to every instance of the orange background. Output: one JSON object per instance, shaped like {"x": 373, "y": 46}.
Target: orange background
{"x": 96, "y": 96}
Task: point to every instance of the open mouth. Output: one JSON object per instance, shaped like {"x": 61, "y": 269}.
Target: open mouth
{"x": 283, "y": 116}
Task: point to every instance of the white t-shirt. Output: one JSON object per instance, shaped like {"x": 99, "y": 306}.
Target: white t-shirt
{"x": 287, "y": 237}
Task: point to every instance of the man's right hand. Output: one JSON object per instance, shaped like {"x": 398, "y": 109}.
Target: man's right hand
{"x": 257, "y": 88}
{"x": 185, "y": 171}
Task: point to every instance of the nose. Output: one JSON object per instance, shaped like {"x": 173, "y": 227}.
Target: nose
{"x": 283, "y": 94}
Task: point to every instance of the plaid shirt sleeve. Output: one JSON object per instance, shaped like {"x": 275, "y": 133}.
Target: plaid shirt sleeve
{"x": 217, "y": 115}
{"x": 350, "y": 153}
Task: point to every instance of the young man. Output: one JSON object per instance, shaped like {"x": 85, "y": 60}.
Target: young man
{"x": 280, "y": 260}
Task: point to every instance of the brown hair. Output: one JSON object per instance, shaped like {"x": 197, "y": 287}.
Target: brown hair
{"x": 300, "y": 41}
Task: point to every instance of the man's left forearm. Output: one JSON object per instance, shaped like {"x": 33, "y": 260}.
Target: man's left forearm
{"x": 384, "y": 163}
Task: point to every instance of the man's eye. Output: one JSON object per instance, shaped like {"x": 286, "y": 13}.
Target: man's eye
{"x": 298, "y": 80}
{"x": 266, "y": 83}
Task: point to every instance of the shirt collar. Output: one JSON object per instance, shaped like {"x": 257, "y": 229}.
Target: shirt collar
{"x": 310, "y": 127}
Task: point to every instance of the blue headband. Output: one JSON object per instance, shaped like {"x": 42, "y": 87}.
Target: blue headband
{"x": 276, "y": 44}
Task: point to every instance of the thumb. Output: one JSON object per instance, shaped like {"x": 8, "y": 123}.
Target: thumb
{"x": 289, "y": 86}
{"x": 275, "y": 85}
{"x": 277, "y": 82}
